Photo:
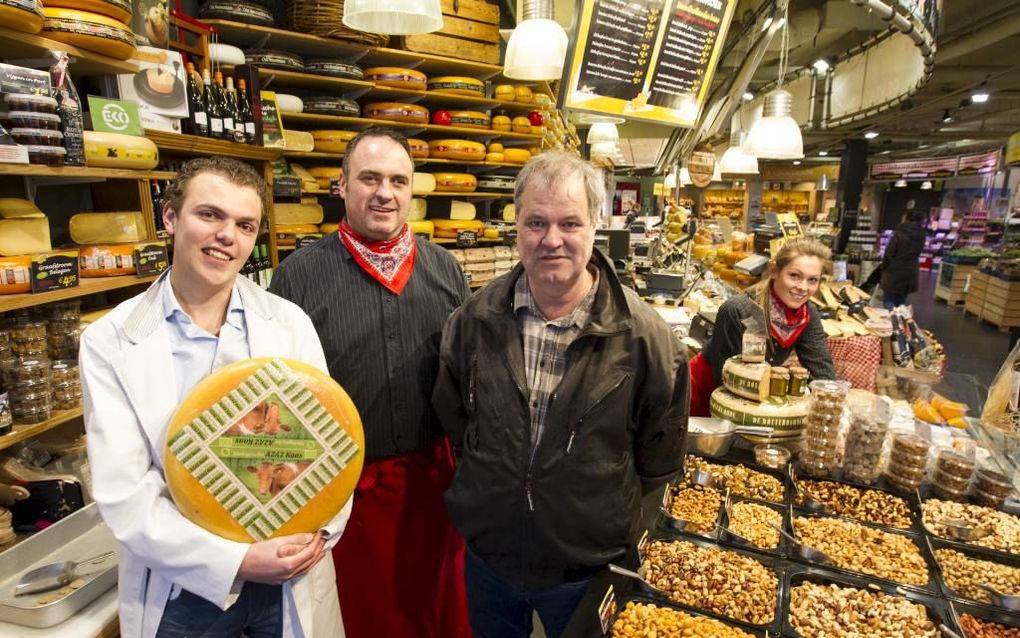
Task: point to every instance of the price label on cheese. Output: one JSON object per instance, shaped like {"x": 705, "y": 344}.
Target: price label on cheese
{"x": 53, "y": 271}
{"x": 466, "y": 238}
{"x": 264, "y": 448}
{"x": 151, "y": 259}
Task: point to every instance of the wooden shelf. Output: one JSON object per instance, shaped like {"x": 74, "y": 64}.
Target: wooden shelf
{"x": 17, "y": 44}
{"x": 432, "y": 129}
{"x": 429, "y": 64}
{"x": 471, "y": 194}
{"x": 37, "y": 170}
{"x": 181, "y": 144}
{"x": 316, "y": 155}
{"x": 446, "y": 241}
{"x": 440, "y": 99}
{"x": 278, "y": 77}
{"x": 23, "y": 432}
{"x": 86, "y": 286}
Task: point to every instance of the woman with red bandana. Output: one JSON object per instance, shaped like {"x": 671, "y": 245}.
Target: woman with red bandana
{"x": 780, "y": 303}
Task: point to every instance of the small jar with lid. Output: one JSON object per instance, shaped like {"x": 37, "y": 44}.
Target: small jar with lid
{"x": 67, "y": 396}
{"x": 779, "y": 382}
{"x": 991, "y": 487}
{"x": 798, "y": 381}
{"x": 31, "y": 407}
{"x": 31, "y": 370}
{"x": 64, "y": 371}
{"x": 27, "y": 328}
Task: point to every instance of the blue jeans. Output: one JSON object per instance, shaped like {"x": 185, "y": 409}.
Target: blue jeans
{"x": 890, "y": 300}
{"x": 258, "y": 613}
{"x": 499, "y": 609}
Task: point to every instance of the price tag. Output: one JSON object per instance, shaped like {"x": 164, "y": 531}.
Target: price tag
{"x": 466, "y": 238}
{"x": 334, "y": 187}
{"x": 300, "y": 241}
{"x": 151, "y": 259}
{"x": 54, "y": 271}
{"x": 607, "y": 609}
{"x": 510, "y": 237}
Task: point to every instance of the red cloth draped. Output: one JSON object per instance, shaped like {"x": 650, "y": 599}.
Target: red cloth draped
{"x": 390, "y": 262}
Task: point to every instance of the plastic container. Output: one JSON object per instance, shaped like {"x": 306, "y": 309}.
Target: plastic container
{"x": 771, "y": 456}
{"x": 67, "y": 397}
{"x": 818, "y": 458}
{"x": 948, "y": 494}
{"x": 46, "y": 155}
{"x": 908, "y": 460}
{"x": 32, "y": 413}
{"x": 64, "y": 325}
{"x": 953, "y": 464}
{"x": 950, "y": 481}
{"x": 30, "y": 102}
{"x": 37, "y": 136}
{"x": 992, "y": 482}
{"x": 64, "y": 309}
{"x": 30, "y": 348}
{"x": 64, "y": 372}
{"x": 28, "y": 119}
{"x": 27, "y": 329}
{"x": 869, "y": 424}
{"x": 31, "y": 370}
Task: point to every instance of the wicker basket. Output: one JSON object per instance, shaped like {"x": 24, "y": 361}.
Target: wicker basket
{"x": 325, "y": 18}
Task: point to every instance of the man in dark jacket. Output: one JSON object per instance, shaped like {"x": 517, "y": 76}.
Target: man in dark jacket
{"x": 566, "y": 396}
{"x": 900, "y": 261}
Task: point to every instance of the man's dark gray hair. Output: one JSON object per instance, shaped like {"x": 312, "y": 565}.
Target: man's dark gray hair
{"x": 551, "y": 168}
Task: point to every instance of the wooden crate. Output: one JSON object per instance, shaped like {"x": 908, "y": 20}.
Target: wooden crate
{"x": 1001, "y": 302}
{"x": 951, "y": 281}
{"x": 470, "y": 32}
{"x": 975, "y": 300}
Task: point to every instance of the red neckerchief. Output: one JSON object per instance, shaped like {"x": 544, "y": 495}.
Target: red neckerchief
{"x": 389, "y": 262}
{"x": 785, "y": 324}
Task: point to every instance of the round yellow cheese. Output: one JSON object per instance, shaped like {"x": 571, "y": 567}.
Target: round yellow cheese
{"x": 90, "y": 31}
{"x": 119, "y": 10}
{"x": 495, "y": 147}
{"x": 448, "y": 228}
{"x": 396, "y": 77}
{"x": 325, "y": 174}
{"x": 264, "y": 448}
{"x": 16, "y": 16}
{"x": 455, "y": 182}
{"x": 116, "y": 150}
{"x": 419, "y": 148}
{"x": 504, "y": 92}
{"x": 396, "y": 112}
{"x": 516, "y": 155}
{"x": 470, "y": 119}
{"x": 325, "y": 229}
{"x": 494, "y": 157}
{"x": 523, "y": 94}
{"x": 457, "y": 84}
{"x": 330, "y": 141}
{"x": 423, "y": 227}
{"x": 521, "y": 124}
{"x": 465, "y": 150}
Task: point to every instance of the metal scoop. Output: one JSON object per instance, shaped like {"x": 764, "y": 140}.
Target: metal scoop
{"x": 1000, "y": 599}
{"x": 806, "y": 552}
{"x": 729, "y": 534}
{"x": 807, "y": 501}
{"x": 960, "y": 530}
{"x": 53, "y": 575}
{"x": 704, "y": 478}
{"x": 623, "y": 571}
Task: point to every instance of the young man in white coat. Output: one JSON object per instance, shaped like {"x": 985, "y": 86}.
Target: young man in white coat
{"x": 137, "y": 364}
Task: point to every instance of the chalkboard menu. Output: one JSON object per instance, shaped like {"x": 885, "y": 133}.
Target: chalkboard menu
{"x": 646, "y": 59}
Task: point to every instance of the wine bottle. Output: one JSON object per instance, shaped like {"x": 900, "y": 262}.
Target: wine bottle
{"x": 225, "y": 112}
{"x": 212, "y": 106}
{"x": 233, "y": 104}
{"x": 244, "y": 109}
{"x": 198, "y": 118}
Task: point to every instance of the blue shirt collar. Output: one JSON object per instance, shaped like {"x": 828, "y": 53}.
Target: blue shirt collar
{"x": 172, "y": 310}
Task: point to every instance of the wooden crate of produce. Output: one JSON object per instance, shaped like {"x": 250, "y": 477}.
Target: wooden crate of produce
{"x": 951, "y": 282}
{"x": 1001, "y": 302}
{"x": 976, "y": 293}
{"x": 470, "y": 32}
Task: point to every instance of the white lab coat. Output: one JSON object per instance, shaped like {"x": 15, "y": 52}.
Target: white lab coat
{"x": 130, "y": 395}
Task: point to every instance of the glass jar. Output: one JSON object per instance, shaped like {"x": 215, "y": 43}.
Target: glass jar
{"x": 31, "y": 370}
{"x": 32, "y": 407}
{"x": 798, "y": 381}
{"x": 869, "y": 423}
{"x": 753, "y": 348}
{"x": 28, "y": 329}
{"x": 67, "y": 396}
{"x": 821, "y": 427}
{"x": 31, "y": 348}
{"x": 64, "y": 371}
{"x": 779, "y": 382}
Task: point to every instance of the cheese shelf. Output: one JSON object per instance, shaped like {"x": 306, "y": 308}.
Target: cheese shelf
{"x": 364, "y": 122}
{"x": 270, "y": 77}
{"x": 434, "y": 194}
{"x": 23, "y": 432}
{"x": 37, "y": 170}
{"x": 452, "y": 100}
{"x": 86, "y": 286}
{"x": 180, "y": 143}
{"x": 17, "y": 44}
{"x": 314, "y": 155}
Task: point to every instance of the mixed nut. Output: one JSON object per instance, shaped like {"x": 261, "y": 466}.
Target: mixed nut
{"x": 697, "y": 505}
{"x": 741, "y": 480}
{"x": 964, "y": 575}
{"x": 719, "y": 581}
{"x": 1003, "y": 528}
{"x": 872, "y": 506}
{"x": 831, "y": 611}
{"x": 753, "y": 521}
{"x": 644, "y": 620}
{"x": 976, "y": 628}
{"x": 866, "y": 550}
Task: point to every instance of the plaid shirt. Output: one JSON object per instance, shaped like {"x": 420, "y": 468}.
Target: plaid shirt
{"x": 545, "y": 347}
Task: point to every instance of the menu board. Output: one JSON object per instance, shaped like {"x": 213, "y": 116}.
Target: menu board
{"x": 648, "y": 60}
{"x": 920, "y": 169}
{"x": 982, "y": 164}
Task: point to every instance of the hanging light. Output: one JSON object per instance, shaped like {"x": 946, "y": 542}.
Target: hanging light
{"x": 776, "y": 135}
{"x": 900, "y": 183}
{"x": 716, "y": 174}
{"x": 685, "y": 177}
{"x": 538, "y": 46}
{"x": 394, "y": 17}
{"x": 603, "y": 132}
{"x": 737, "y": 161}
{"x": 671, "y": 180}
{"x": 603, "y": 149}
{"x": 926, "y": 185}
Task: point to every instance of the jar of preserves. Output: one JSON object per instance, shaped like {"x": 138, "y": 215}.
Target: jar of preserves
{"x": 779, "y": 382}
{"x": 798, "y": 381}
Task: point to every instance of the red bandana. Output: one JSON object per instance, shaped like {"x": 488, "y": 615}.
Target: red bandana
{"x": 389, "y": 262}
{"x": 785, "y": 324}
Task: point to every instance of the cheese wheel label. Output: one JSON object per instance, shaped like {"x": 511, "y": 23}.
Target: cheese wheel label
{"x": 27, "y": 5}
{"x": 265, "y": 449}
{"x": 781, "y": 413}
{"x": 457, "y": 85}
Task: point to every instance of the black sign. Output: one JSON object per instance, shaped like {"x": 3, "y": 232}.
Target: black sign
{"x": 55, "y": 271}
{"x": 151, "y": 259}
{"x": 686, "y": 51}
{"x": 466, "y": 238}
{"x": 619, "y": 47}
{"x": 510, "y": 237}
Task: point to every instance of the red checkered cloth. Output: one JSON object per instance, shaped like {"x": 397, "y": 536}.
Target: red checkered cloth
{"x": 856, "y": 359}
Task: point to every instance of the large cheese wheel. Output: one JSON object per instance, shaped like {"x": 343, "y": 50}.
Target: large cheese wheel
{"x": 304, "y": 213}
{"x": 24, "y": 235}
{"x": 89, "y": 31}
{"x": 423, "y": 227}
{"x": 516, "y": 155}
{"x": 449, "y": 228}
{"x": 457, "y": 84}
{"x": 749, "y": 380}
{"x": 308, "y": 181}
{"x": 396, "y": 112}
{"x": 107, "y": 260}
{"x": 13, "y": 207}
{"x": 116, "y": 150}
{"x": 325, "y": 229}
{"x": 325, "y": 174}
{"x": 330, "y": 141}
{"x": 21, "y": 15}
{"x": 465, "y": 150}
{"x": 119, "y": 10}
{"x": 264, "y": 448}
{"x": 300, "y": 141}
{"x": 784, "y": 414}
{"x": 418, "y": 210}
{"x": 287, "y": 103}
{"x": 229, "y": 54}
{"x": 455, "y": 182}
{"x": 397, "y": 77}
{"x": 495, "y": 158}
{"x": 423, "y": 183}
{"x": 445, "y": 208}
{"x": 470, "y": 119}
{"x": 15, "y": 275}
{"x": 419, "y": 148}
{"x": 107, "y": 228}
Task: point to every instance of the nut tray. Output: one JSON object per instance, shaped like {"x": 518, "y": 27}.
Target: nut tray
{"x": 937, "y": 608}
{"x": 936, "y": 543}
{"x": 771, "y": 563}
{"x": 673, "y": 524}
{"x": 931, "y": 587}
{"x": 782, "y": 550}
{"x": 787, "y": 487}
{"x": 635, "y": 596}
{"x": 958, "y": 608}
{"x": 912, "y": 503}
{"x": 993, "y": 554}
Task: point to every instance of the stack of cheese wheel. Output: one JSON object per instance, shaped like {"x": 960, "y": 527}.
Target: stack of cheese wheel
{"x": 397, "y": 77}
{"x": 107, "y": 242}
{"x": 419, "y": 148}
{"x": 324, "y": 175}
{"x": 330, "y": 141}
{"x": 396, "y": 112}
{"x": 744, "y": 399}
{"x": 21, "y": 16}
{"x": 455, "y": 182}
{"x": 463, "y": 150}
{"x": 263, "y": 448}
{"x": 470, "y": 119}
{"x": 100, "y": 26}
{"x": 449, "y": 228}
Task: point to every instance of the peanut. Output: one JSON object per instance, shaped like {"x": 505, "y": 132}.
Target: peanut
{"x": 862, "y": 549}
{"x": 751, "y": 521}
{"x": 643, "y": 620}
{"x": 697, "y": 505}
{"x": 1005, "y": 527}
{"x": 964, "y": 575}
{"x": 741, "y": 480}
{"x": 831, "y": 611}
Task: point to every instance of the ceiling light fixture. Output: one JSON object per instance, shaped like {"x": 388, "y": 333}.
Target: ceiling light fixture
{"x": 736, "y": 160}
{"x": 394, "y": 17}
{"x": 979, "y": 97}
{"x": 926, "y": 185}
{"x": 823, "y": 153}
{"x": 603, "y": 132}
{"x": 777, "y": 135}
{"x": 538, "y": 46}
{"x": 748, "y": 96}
{"x": 870, "y": 135}
{"x": 671, "y": 180}
{"x": 685, "y": 177}
{"x": 900, "y": 183}
{"x": 822, "y": 65}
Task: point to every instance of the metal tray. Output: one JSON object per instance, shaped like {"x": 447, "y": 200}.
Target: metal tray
{"x": 935, "y": 543}
{"x": 938, "y": 611}
{"x": 772, "y": 563}
{"x": 783, "y": 476}
{"x": 931, "y": 587}
{"x": 912, "y": 503}
{"x": 994, "y": 614}
{"x": 988, "y": 552}
{"x": 780, "y": 551}
{"x": 670, "y": 523}
{"x": 79, "y": 536}
{"x": 622, "y": 598}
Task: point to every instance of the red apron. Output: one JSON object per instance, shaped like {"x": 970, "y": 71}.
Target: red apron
{"x": 400, "y": 562}
{"x": 702, "y": 385}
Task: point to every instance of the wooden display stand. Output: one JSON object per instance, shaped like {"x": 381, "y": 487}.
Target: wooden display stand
{"x": 975, "y": 299}
{"x": 1002, "y": 303}
{"x": 951, "y": 281}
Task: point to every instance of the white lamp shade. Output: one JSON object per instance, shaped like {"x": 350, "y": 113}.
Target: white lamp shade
{"x": 603, "y": 132}
{"x": 737, "y": 161}
{"x": 603, "y": 149}
{"x": 671, "y": 180}
{"x": 685, "y": 177}
{"x": 536, "y": 50}
{"x": 776, "y": 135}
{"x": 394, "y": 17}
{"x": 716, "y": 173}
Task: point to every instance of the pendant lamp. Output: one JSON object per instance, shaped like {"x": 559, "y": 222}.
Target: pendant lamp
{"x": 736, "y": 160}
{"x": 538, "y": 46}
{"x": 685, "y": 177}
{"x": 393, "y": 17}
{"x": 777, "y": 135}
{"x": 603, "y": 132}
{"x": 671, "y": 180}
